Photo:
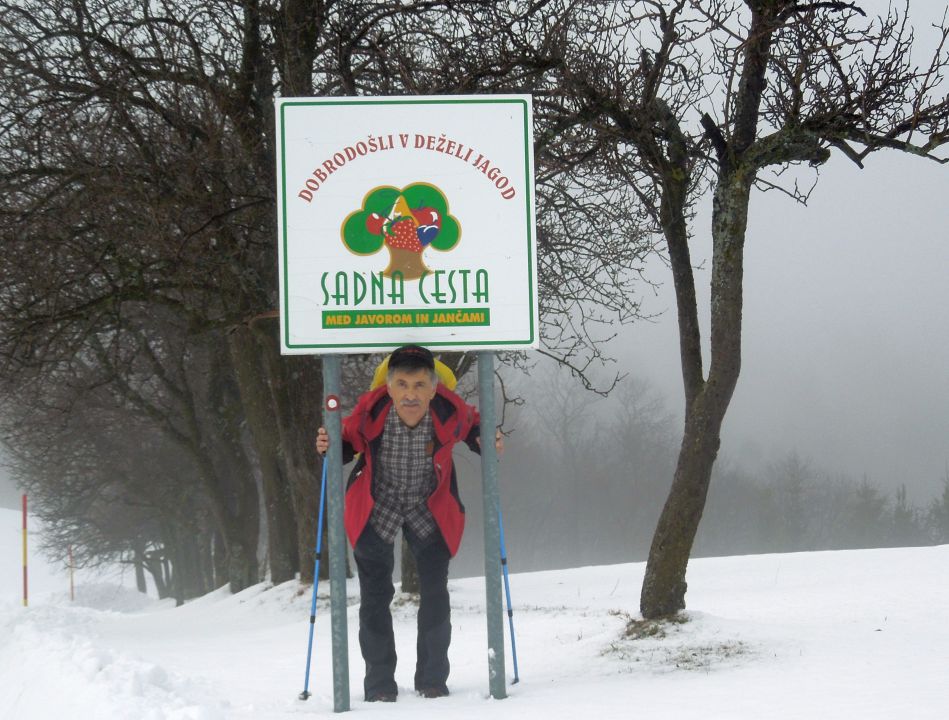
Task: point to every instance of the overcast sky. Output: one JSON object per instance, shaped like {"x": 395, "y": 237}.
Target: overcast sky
{"x": 846, "y": 326}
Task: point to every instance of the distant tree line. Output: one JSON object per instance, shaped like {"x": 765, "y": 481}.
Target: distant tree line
{"x": 792, "y": 507}
{"x": 586, "y": 478}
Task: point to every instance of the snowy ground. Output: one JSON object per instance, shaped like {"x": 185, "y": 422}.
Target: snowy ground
{"x": 813, "y": 635}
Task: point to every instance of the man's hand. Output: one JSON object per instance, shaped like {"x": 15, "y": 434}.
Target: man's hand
{"x": 498, "y": 442}
{"x": 322, "y": 441}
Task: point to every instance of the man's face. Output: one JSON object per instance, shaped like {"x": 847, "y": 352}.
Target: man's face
{"x": 411, "y": 392}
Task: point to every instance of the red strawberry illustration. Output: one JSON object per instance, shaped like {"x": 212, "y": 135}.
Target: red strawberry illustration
{"x": 401, "y": 234}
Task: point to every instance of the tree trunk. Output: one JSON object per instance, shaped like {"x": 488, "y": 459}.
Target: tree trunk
{"x": 409, "y": 570}
{"x": 241, "y": 561}
{"x": 236, "y": 521}
{"x": 664, "y": 585}
{"x": 195, "y": 582}
{"x": 155, "y": 566}
{"x": 296, "y": 386}
{"x": 228, "y": 473}
{"x": 179, "y": 569}
{"x": 218, "y": 557}
{"x": 139, "y": 563}
{"x": 408, "y": 262}
{"x": 206, "y": 560}
{"x": 260, "y": 413}
{"x": 168, "y": 573}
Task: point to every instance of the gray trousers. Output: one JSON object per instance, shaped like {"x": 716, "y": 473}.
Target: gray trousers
{"x": 375, "y": 562}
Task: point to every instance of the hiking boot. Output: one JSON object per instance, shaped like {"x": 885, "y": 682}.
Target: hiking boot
{"x": 381, "y": 697}
{"x": 433, "y": 692}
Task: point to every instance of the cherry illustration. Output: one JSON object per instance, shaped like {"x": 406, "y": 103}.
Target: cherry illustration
{"x": 374, "y": 223}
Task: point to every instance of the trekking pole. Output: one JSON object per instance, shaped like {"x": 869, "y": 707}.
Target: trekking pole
{"x": 507, "y": 592}
{"x": 316, "y": 581}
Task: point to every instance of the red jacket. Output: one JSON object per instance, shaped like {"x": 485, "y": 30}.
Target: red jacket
{"x": 453, "y": 421}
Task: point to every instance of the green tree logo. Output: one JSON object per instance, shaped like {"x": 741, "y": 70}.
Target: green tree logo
{"x": 407, "y": 222}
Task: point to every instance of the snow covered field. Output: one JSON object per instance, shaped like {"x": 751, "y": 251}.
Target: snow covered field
{"x": 860, "y": 634}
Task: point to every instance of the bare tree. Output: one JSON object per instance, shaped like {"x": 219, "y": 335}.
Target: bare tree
{"x": 937, "y": 514}
{"x": 152, "y": 379}
{"x": 724, "y": 93}
{"x": 107, "y": 483}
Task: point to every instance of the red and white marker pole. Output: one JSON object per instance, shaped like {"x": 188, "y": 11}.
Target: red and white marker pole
{"x": 25, "y": 594}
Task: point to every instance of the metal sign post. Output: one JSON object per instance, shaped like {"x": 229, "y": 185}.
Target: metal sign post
{"x": 492, "y": 528}
{"x": 336, "y": 533}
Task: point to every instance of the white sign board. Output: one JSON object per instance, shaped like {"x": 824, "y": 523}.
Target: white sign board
{"x": 406, "y": 220}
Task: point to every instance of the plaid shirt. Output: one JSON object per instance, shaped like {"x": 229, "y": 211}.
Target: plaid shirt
{"x": 406, "y": 477}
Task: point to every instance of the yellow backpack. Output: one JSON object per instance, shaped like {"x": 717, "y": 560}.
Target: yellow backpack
{"x": 445, "y": 376}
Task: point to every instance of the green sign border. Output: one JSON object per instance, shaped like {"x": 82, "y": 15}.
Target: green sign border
{"x": 529, "y": 194}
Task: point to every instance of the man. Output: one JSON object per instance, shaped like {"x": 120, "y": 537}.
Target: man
{"x": 404, "y": 479}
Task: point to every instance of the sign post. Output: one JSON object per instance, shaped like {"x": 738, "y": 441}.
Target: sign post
{"x": 336, "y": 534}
{"x": 407, "y": 220}
{"x": 492, "y": 528}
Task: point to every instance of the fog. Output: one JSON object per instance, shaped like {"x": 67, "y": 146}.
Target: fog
{"x": 846, "y": 326}
{"x": 846, "y": 318}
{"x": 9, "y": 497}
